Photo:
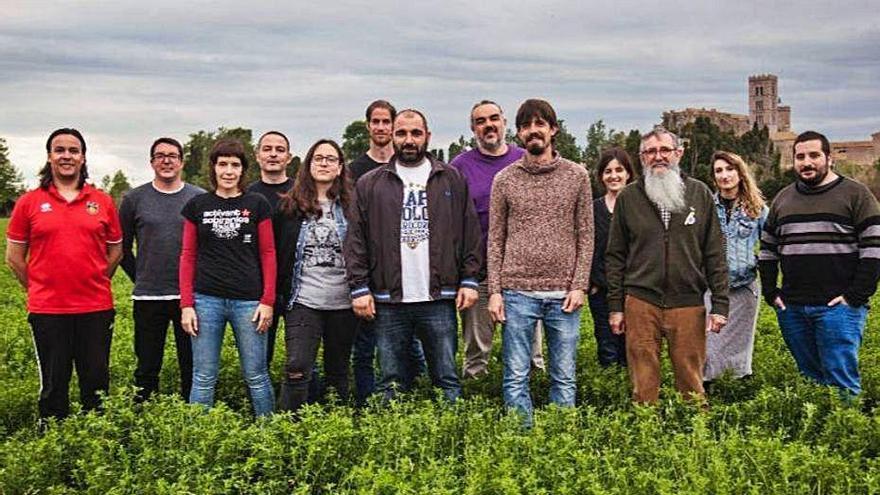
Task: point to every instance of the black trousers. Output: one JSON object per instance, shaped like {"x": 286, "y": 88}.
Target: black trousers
{"x": 151, "y": 320}
{"x": 277, "y": 312}
{"x": 64, "y": 341}
{"x": 305, "y": 328}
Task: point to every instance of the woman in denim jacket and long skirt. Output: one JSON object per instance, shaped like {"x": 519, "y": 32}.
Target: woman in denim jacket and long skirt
{"x": 310, "y": 227}
{"x": 742, "y": 211}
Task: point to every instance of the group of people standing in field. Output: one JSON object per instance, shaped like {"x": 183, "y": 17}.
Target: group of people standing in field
{"x": 382, "y": 254}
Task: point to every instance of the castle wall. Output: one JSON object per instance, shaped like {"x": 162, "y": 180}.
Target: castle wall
{"x": 858, "y": 152}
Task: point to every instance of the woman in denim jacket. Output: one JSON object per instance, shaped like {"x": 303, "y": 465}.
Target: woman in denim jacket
{"x": 742, "y": 212}
{"x": 310, "y": 227}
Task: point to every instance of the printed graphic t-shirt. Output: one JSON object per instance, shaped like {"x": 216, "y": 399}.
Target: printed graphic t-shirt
{"x": 228, "y": 256}
{"x": 322, "y": 279}
{"x": 415, "y": 267}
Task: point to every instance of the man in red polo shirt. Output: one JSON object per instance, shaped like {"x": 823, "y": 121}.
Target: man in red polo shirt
{"x": 63, "y": 244}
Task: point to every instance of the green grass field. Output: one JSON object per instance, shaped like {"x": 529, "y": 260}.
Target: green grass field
{"x": 775, "y": 433}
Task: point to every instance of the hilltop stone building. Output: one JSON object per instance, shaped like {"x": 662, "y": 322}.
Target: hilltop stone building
{"x": 766, "y": 109}
{"x": 860, "y": 152}
{"x": 676, "y": 119}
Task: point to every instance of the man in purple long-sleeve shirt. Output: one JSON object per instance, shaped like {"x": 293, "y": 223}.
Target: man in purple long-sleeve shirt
{"x": 479, "y": 167}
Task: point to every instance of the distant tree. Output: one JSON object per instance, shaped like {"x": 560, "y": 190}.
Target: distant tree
{"x": 600, "y": 139}
{"x": 297, "y": 161}
{"x": 772, "y": 185}
{"x": 438, "y": 154}
{"x": 11, "y": 181}
{"x": 597, "y": 140}
{"x": 703, "y": 138}
{"x": 197, "y": 153}
{"x": 458, "y": 147}
{"x": 116, "y": 185}
{"x": 355, "y": 139}
{"x": 631, "y": 145}
{"x": 566, "y": 145}
{"x": 119, "y": 185}
{"x": 756, "y": 147}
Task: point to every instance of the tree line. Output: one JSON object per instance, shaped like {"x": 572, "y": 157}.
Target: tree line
{"x": 701, "y": 138}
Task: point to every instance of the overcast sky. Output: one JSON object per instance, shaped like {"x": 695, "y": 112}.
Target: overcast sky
{"x": 126, "y": 72}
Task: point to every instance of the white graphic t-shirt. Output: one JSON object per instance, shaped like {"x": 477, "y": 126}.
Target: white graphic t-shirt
{"x": 415, "y": 268}
{"x": 322, "y": 282}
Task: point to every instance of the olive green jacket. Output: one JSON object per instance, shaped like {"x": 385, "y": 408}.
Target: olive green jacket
{"x": 669, "y": 268}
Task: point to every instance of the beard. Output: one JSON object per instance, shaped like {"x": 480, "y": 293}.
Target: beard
{"x": 410, "y": 154}
{"x": 535, "y": 144}
{"x": 380, "y": 140}
{"x": 490, "y": 145}
{"x": 818, "y": 176}
{"x": 666, "y": 190}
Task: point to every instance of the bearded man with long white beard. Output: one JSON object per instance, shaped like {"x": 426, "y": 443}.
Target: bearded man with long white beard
{"x": 664, "y": 250}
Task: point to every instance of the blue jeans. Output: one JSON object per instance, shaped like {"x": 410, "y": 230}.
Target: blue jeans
{"x": 562, "y": 333}
{"x": 364, "y": 354}
{"x": 213, "y": 313}
{"x": 435, "y": 324}
{"x": 825, "y": 342}
{"x": 610, "y": 348}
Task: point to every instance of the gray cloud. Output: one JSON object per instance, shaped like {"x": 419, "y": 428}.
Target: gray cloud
{"x": 126, "y": 72}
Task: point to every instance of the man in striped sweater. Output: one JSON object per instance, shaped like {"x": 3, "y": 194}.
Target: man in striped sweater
{"x": 824, "y": 232}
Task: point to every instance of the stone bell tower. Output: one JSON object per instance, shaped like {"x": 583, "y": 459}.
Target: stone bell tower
{"x": 763, "y": 101}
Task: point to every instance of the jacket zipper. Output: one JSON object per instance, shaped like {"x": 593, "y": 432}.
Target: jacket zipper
{"x": 665, "y": 263}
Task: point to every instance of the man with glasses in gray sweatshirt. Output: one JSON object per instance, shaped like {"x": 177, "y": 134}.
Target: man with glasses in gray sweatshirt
{"x": 150, "y": 216}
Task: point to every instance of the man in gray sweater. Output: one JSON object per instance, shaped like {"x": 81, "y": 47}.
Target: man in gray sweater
{"x": 150, "y": 215}
{"x": 540, "y": 249}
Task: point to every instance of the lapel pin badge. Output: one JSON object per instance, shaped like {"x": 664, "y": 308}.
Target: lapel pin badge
{"x": 691, "y": 218}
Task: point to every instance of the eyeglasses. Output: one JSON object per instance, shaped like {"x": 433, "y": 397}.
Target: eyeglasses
{"x": 664, "y": 152}
{"x": 161, "y": 157}
{"x": 329, "y": 159}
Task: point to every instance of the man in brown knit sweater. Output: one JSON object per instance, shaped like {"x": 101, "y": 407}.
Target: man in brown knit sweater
{"x": 540, "y": 248}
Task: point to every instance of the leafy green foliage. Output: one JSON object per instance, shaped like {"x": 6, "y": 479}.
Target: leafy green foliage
{"x": 702, "y": 138}
{"x": 773, "y": 433}
{"x": 460, "y": 146}
{"x": 355, "y": 139}
{"x": 599, "y": 139}
{"x": 11, "y": 181}
{"x": 566, "y": 145}
{"x": 116, "y": 186}
{"x": 197, "y": 154}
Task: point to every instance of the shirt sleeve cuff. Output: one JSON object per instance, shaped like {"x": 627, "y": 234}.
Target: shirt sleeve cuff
{"x": 360, "y": 291}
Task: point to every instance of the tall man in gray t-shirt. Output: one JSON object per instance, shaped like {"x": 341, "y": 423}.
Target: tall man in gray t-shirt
{"x": 150, "y": 215}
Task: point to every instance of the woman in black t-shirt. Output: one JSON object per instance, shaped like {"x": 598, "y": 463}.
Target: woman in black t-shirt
{"x": 227, "y": 274}
{"x": 614, "y": 172}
